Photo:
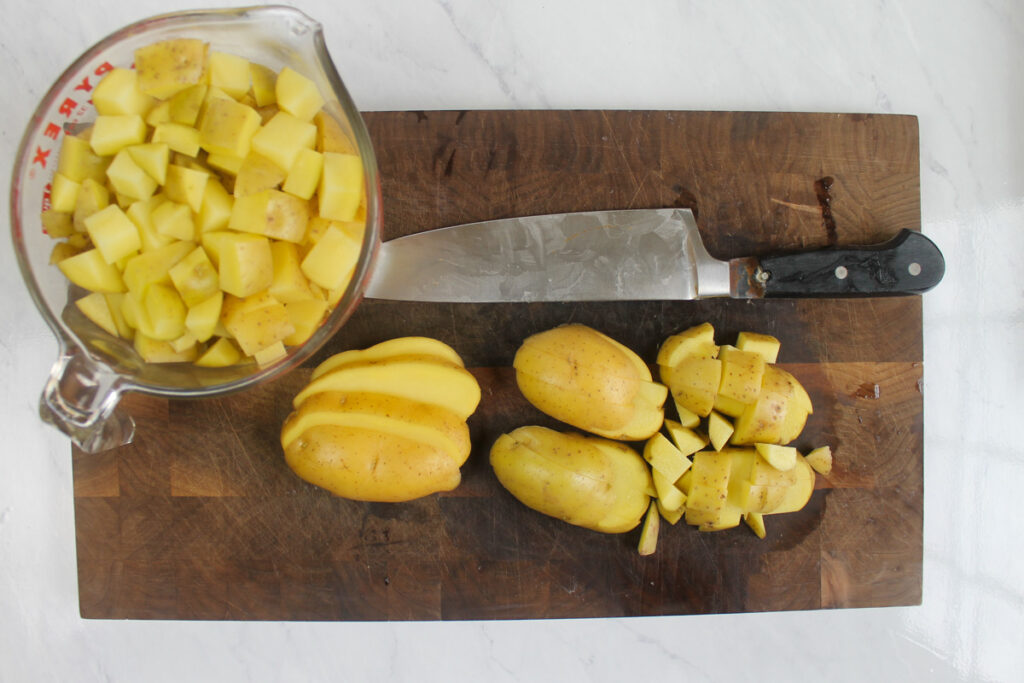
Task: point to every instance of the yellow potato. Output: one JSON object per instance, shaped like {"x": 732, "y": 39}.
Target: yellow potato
{"x": 590, "y": 482}
{"x": 588, "y": 380}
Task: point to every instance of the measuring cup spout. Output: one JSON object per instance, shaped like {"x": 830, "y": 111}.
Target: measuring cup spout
{"x": 80, "y": 399}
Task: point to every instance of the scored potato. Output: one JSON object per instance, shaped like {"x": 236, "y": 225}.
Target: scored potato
{"x": 201, "y": 154}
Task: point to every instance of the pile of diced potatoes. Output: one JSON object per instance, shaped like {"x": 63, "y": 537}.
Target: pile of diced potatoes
{"x": 214, "y": 210}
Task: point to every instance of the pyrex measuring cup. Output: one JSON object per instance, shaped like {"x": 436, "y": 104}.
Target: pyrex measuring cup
{"x": 94, "y": 370}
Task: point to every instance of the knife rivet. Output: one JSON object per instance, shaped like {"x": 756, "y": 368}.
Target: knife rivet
{"x": 914, "y": 269}
{"x": 762, "y": 276}
{"x": 841, "y": 272}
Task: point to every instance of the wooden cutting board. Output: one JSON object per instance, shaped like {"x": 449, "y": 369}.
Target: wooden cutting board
{"x": 201, "y": 519}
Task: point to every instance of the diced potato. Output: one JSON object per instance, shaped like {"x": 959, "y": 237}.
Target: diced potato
{"x": 245, "y": 263}
{"x": 695, "y": 342}
{"x": 820, "y": 459}
{"x": 225, "y": 163}
{"x": 755, "y": 520}
{"x": 215, "y": 210}
{"x": 166, "y": 312}
{"x": 152, "y": 158}
{"x": 229, "y": 72}
{"x": 128, "y": 178}
{"x": 195, "y": 277}
{"x": 63, "y": 250}
{"x": 227, "y": 127}
{"x": 270, "y": 354}
{"x": 289, "y": 284}
{"x": 94, "y": 307}
{"x": 272, "y": 213}
{"x": 782, "y": 458}
{"x": 160, "y": 113}
{"x": 662, "y": 456}
{"x": 57, "y": 224}
{"x": 330, "y": 137}
{"x": 304, "y": 175}
{"x": 77, "y": 160}
{"x": 185, "y": 106}
{"x": 141, "y": 214}
{"x": 671, "y": 497}
{"x": 174, "y": 220}
{"x": 156, "y": 351}
{"x": 729, "y": 406}
{"x": 331, "y": 260}
{"x": 118, "y": 94}
{"x": 649, "y": 533}
{"x": 63, "y": 193}
{"x": 719, "y": 429}
{"x": 694, "y": 383}
{"x": 91, "y": 271}
{"x": 306, "y": 317}
{"x": 685, "y": 439}
{"x": 111, "y": 134}
{"x": 91, "y": 198}
{"x": 256, "y": 174}
{"x": 341, "y": 186}
{"x": 114, "y": 303}
{"x": 186, "y": 185}
{"x": 283, "y": 137}
{"x": 114, "y": 235}
{"x": 221, "y": 353}
{"x": 672, "y": 516}
{"x": 178, "y": 137}
{"x": 255, "y": 322}
{"x": 202, "y": 318}
{"x": 764, "y": 345}
{"x": 710, "y": 483}
{"x": 263, "y": 80}
{"x": 153, "y": 267}
{"x": 170, "y": 66}
{"x": 297, "y": 94}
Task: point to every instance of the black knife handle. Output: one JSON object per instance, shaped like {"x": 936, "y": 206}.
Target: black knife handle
{"x": 909, "y": 263}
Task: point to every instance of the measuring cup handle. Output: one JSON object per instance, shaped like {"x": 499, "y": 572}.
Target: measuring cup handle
{"x": 80, "y": 398}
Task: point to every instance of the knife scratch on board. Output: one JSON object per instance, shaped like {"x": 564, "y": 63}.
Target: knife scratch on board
{"x": 806, "y": 208}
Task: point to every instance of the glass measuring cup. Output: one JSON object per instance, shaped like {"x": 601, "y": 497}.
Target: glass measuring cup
{"x": 94, "y": 370}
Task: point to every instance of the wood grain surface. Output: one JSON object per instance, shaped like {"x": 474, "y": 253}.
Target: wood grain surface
{"x": 200, "y": 518}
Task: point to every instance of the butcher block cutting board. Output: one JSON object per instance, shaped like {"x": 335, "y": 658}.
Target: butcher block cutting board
{"x": 200, "y": 518}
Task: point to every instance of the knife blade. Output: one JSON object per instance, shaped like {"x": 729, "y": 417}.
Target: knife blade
{"x": 631, "y": 254}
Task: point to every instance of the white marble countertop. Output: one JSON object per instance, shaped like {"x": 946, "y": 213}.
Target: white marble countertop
{"x": 957, "y": 67}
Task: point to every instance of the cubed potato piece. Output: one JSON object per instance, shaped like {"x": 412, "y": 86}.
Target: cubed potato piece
{"x": 283, "y": 137}
{"x": 709, "y": 486}
{"x": 160, "y": 113}
{"x": 57, "y": 224}
{"x": 202, "y": 318}
{"x": 782, "y": 458}
{"x": 297, "y": 94}
{"x": 221, "y": 353}
{"x": 174, "y": 220}
{"x": 141, "y": 214}
{"x": 153, "y": 267}
{"x": 113, "y": 234}
{"x": 111, "y": 134}
{"x": 649, "y": 532}
{"x": 168, "y": 67}
{"x": 166, "y": 312}
{"x": 227, "y": 127}
{"x": 272, "y": 213}
{"x": 128, "y": 178}
{"x": 719, "y": 429}
{"x": 694, "y": 383}
{"x": 245, "y": 264}
{"x": 157, "y": 351}
{"x": 195, "y": 277}
{"x": 91, "y": 271}
{"x": 729, "y": 406}
{"x": 670, "y": 496}
{"x": 215, "y": 210}
{"x": 289, "y": 284}
{"x": 661, "y": 455}
{"x": 341, "y": 186}
{"x": 763, "y": 420}
{"x": 185, "y": 105}
{"x": 331, "y": 260}
{"x": 820, "y": 459}
{"x": 91, "y": 198}
{"x": 63, "y": 193}
{"x": 77, "y": 161}
{"x": 764, "y": 345}
{"x": 672, "y": 516}
{"x": 263, "y": 80}
{"x": 755, "y": 520}
{"x": 63, "y": 250}
{"x": 114, "y": 301}
{"x": 742, "y": 372}
{"x": 186, "y": 185}
{"x": 178, "y": 137}
{"x": 256, "y": 174}
{"x": 229, "y": 72}
{"x": 330, "y": 137}
{"x": 684, "y": 438}
{"x": 304, "y": 175}
{"x": 255, "y": 322}
{"x": 152, "y": 158}
{"x": 695, "y": 342}
{"x": 118, "y": 93}
{"x": 225, "y": 163}
{"x": 94, "y": 307}
{"x": 306, "y": 316}
{"x": 315, "y": 229}
{"x": 270, "y": 354}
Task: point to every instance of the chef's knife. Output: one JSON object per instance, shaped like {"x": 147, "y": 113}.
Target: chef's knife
{"x": 637, "y": 254}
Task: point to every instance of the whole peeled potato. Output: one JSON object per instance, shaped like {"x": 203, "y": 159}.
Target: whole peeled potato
{"x": 590, "y": 381}
{"x": 587, "y": 481}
